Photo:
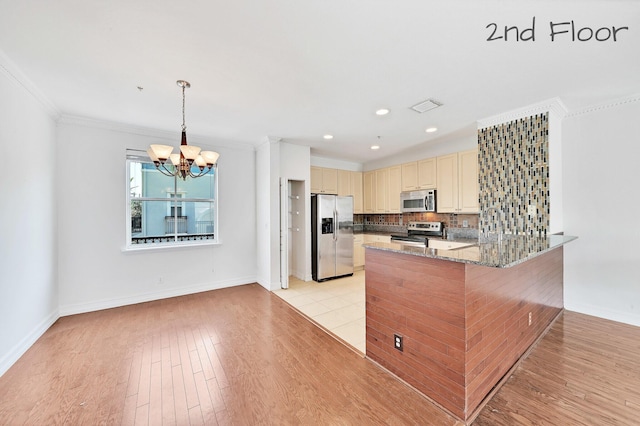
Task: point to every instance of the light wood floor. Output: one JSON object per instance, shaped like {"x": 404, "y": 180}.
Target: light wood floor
{"x": 585, "y": 371}
{"x": 242, "y": 356}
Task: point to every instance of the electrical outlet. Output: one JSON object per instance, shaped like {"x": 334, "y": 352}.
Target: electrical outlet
{"x": 530, "y": 318}
{"x": 397, "y": 342}
{"x": 533, "y": 210}
{"x": 465, "y": 223}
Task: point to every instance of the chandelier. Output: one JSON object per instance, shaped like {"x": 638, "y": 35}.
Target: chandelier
{"x": 183, "y": 161}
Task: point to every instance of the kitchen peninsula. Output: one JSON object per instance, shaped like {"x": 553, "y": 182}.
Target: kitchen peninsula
{"x": 461, "y": 318}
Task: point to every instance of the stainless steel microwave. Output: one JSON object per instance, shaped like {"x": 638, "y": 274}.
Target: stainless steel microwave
{"x": 418, "y": 201}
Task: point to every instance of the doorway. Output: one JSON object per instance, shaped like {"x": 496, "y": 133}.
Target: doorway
{"x": 292, "y": 231}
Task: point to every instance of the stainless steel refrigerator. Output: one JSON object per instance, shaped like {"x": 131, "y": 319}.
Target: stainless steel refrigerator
{"x": 331, "y": 236}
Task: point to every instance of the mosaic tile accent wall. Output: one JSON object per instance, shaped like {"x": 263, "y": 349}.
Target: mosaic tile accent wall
{"x": 514, "y": 174}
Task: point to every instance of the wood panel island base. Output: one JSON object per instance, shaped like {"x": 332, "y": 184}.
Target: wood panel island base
{"x": 463, "y": 325}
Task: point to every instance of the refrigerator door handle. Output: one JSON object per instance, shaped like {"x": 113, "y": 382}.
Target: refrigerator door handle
{"x": 335, "y": 225}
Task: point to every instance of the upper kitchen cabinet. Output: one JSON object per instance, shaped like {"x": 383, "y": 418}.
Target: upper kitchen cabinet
{"x": 344, "y": 183}
{"x": 381, "y": 190}
{"x": 427, "y": 173}
{"x": 387, "y": 185}
{"x": 350, "y": 183}
{"x": 457, "y": 182}
{"x": 368, "y": 191}
{"x": 410, "y": 176}
{"x": 324, "y": 181}
{"x": 419, "y": 175}
{"x": 357, "y": 192}
{"x": 447, "y": 183}
{"x": 468, "y": 187}
{"x": 394, "y": 187}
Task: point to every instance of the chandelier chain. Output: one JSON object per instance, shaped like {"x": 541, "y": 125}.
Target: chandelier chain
{"x": 184, "y": 126}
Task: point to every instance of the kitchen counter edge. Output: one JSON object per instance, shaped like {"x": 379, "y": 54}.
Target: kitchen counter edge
{"x": 505, "y": 254}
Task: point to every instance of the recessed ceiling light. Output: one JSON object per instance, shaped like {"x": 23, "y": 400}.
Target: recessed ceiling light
{"x": 382, "y": 111}
{"x": 374, "y": 147}
{"x": 431, "y": 129}
{"x": 328, "y": 137}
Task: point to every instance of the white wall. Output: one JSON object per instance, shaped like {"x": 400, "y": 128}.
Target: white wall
{"x": 268, "y": 213}
{"x": 28, "y": 287}
{"x": 601, "y": 178}
{"x": 275, "y": 160}
{"x": 94, "y": 272}
{"x": 332, "y": 163}
{"x": 295, "y": 165}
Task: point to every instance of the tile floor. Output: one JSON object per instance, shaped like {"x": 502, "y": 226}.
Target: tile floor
{"x": 337, "y": 305}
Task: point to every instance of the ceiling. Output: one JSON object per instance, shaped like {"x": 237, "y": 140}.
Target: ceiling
{"x": 298, "y": 70}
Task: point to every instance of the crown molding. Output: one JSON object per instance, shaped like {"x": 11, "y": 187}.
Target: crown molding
{"x": 75, "y": 120}
{"x": 554, "y": 106}
{"x": 15, "y": 75}
{"x": 606, "y": 105}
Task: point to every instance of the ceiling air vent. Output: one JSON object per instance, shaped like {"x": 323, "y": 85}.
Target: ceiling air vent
{"x": 426, "y": 106}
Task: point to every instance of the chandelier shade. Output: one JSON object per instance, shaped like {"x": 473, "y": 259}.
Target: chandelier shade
{"x": 180, "y": 164}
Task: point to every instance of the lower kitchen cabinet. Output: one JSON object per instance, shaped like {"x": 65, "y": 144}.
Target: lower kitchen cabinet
{"x": 358, "y": 251}
{"x": 376, "y": 238}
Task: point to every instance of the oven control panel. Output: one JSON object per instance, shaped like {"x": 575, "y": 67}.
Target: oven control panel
{"x": 425, "y": 226}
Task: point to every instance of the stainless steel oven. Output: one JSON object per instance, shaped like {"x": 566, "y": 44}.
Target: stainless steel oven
{"x": 418, "y": 201}
{"x": 418, "y": 233}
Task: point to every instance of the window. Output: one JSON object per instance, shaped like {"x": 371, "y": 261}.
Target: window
{"x": 166, "y": 211}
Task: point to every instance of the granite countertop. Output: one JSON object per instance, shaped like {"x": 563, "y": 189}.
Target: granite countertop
{"x": 511, "y": 251}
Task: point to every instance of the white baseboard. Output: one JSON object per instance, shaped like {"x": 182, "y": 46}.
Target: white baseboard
{"x": 81, "y": 308}
{"x": 18, "y": 350}
{"x": 596, "y": 311}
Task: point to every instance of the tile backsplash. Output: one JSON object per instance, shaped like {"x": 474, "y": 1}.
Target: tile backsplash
{"x": 398, "y": 222}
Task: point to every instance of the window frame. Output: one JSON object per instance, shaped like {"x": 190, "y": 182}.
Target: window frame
{"x": 137, "y": 156}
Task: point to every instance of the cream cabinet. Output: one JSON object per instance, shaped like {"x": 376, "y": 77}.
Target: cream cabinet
{"x": 446, "y": 245}
{"x": 358, "y": 251}
{"x": 324, "y": 180}
{"x": 368, "y": 191}
{"x": 386, "y": 188}
{"x": 350, "y": 183}
{"x": 457, "y": 182}
{"x": 357, "y": 191}
{"x": 410, "y": 176}
{"x": 468, "y": 186}
{"x": 419, "y": 175}
{"x": 377, "y": 238}
{"x": 394, "y": 187}
{"x": 427, "y": 173}
{"x": 381, "y": 185}
{"x": 447, "y": 184}
{"x": 344, "y": 182}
